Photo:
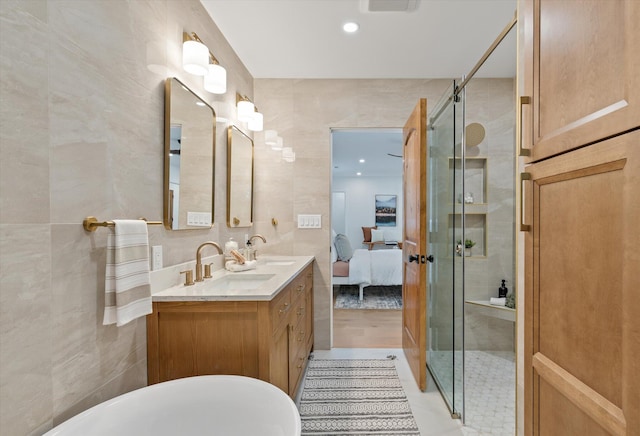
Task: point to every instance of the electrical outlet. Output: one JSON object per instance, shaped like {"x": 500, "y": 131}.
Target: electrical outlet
{"x": 156, "y": 257}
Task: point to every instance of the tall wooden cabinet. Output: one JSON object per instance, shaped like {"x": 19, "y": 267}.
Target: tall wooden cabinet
{"x": 269, "y": 340}
{"x": 582, "y": 217}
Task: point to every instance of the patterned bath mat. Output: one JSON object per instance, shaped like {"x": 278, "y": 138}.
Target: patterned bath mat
{"x": 363, "y": 397}
{"x": 375, "y": 297}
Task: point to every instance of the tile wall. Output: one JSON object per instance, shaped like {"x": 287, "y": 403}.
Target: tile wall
{"x": 81, "y": 133}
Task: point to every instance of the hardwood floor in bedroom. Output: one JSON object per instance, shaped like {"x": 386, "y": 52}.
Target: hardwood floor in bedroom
{"x": 367, "y": 328}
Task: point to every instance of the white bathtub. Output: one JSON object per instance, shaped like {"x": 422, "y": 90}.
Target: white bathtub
{"x": 207, "y": 405}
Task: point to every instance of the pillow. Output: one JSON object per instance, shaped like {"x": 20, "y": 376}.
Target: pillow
{"x": 377, "y": 235}
{"x": 343, "y": 247}
{"x": 334, "y": 252}
{"x": 366, "y": 232}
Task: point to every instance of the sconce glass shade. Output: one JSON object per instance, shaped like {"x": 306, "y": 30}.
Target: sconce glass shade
{"x": 288, "y": 155}
{"x": 215, "y": 81}
{"x": 255, "y": 124}
{"x": 270, "y": 137}
{"x": 246, "y": 109}
{"x": 279, "y": 144}
{"x": 195, "y": 58}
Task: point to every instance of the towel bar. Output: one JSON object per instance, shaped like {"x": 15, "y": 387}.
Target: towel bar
{"x": 91, "y": 223}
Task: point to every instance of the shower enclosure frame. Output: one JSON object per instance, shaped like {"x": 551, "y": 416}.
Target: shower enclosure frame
{"x": 454, "y": 100}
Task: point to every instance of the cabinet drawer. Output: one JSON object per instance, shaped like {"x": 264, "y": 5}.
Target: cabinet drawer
{"x": 296, "y": 368}
{"x": 298, "y": 287}
{"x": 299, "y": 333}
{"x": 280, "y": 307}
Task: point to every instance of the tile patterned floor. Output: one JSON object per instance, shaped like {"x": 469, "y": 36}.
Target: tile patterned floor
{"x": 490, "y": 395}
{"x": 489, "y": 390}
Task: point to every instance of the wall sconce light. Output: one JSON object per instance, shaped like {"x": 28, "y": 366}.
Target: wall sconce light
{"x": 248, "y": 113}
{"x": 270, "y": 138}
{"x": 288, "y": 155}
{"x": 279, "y": 144}
{"x": 198, "y": 60}
{"x": 256, "y": 123}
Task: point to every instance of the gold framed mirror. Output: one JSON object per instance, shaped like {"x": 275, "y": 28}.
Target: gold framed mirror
{"x": 239, "y": 178}
{"x": 189, "y": 160}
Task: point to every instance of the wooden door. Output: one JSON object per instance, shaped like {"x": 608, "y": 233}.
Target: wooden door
{"x": 414, "y": 289}
{"x": 582, "y": 72}
{"x": 582, "y": 304}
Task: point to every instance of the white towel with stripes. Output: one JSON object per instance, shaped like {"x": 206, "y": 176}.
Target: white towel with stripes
{"x": 127, "y": 283}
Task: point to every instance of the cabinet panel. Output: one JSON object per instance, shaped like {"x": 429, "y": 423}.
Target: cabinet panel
{"x": 582, "y": 312}
{"x": 204, "y": 343}
{"x": 582, "y": 70}
{"x": 279, "y": 368}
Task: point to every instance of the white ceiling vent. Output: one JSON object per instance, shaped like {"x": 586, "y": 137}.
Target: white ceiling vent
{"x": 388, "y": 5}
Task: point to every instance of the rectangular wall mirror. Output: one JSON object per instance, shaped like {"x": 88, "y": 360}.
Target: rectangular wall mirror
{"x": 239, "y": 179}
{"x": 189, "y": 145}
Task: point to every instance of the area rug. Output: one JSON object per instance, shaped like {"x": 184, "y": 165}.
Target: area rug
{"x": 348, "y": 397}
{"x": 375, "y": 297}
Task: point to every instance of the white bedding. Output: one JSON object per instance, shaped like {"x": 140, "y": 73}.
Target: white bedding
{"x": 375, "y": 267}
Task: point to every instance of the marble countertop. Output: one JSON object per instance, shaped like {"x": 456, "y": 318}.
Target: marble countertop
{"x": 263, "y": 283}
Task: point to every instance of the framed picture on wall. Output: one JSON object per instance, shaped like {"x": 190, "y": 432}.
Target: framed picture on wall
{"x": 386, "y": 210}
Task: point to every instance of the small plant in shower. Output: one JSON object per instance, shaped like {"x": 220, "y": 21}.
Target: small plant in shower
{"x": 468, "y": 244}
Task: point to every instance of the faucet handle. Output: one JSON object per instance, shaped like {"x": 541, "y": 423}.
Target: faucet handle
{"x": 188, "y": 278}
{"x": 207, "y": 270}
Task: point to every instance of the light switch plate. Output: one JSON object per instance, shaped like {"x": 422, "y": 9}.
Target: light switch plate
{"x": 199, "y": 219}
{"x": 156, "y": 257}
{"x": 309, "y": 221}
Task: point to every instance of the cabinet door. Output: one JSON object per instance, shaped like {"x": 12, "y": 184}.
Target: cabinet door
{"x": 582, "y": 307}
{"x": 582, "y": 70}
{"x": 279, "y": 362}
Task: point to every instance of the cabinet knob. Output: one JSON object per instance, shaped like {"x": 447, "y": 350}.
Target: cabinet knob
{"x": 285, "y": 308}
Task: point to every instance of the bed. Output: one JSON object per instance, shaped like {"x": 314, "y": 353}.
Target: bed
{"x": 369, "y": 268}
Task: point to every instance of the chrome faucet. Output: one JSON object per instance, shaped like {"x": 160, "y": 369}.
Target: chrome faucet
{"x": 199, "y": 258}
{"x": 251, "y": 253}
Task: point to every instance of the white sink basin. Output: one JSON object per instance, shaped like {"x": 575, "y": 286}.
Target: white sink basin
{"x": 240, "y": 282}
{"x": 280, "y": 262}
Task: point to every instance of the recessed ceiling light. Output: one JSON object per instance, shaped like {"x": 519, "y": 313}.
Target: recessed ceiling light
{"x": 361, "y": 161}
{"x": 350, "y": 27}
{"x": 358, "y": 174}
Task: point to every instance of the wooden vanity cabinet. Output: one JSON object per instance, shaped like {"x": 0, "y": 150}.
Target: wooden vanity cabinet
{"x": 269, "y": 340}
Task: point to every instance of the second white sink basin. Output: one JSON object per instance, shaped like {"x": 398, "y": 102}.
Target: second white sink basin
{"x": 240, "y": 282}
{"x": 279, "y": 262}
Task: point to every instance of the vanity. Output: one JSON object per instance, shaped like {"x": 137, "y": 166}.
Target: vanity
{"x": 256, "y": 323}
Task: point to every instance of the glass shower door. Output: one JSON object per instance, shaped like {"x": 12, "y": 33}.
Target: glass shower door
{"x": 445, "y": 321}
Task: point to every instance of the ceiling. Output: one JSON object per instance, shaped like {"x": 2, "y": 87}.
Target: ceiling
{"x": 304, "y": 38}
{"x": 373, "y": 145}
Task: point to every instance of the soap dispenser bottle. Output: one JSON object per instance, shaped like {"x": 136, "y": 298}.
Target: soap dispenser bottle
{"x": 503, "y": 290}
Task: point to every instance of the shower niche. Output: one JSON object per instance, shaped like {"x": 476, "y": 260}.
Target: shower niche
{"x": 475, "y": 181}
{"x": 469, "y": 200}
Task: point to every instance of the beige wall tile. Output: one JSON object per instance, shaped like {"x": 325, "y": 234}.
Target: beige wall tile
{"x": 82, "y": 124}
{"x": 24, "y": 121}
{"x": 26, "y": 339}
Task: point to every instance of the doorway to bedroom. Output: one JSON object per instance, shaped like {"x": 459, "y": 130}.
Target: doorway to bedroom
{"x": 366, "y": 237}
